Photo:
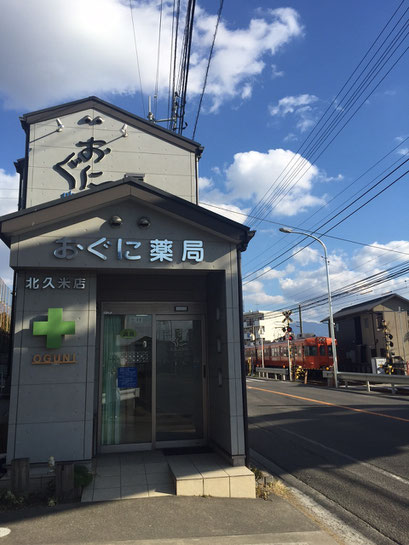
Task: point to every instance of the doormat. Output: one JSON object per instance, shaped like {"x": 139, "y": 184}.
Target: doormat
{"x": 187, "y": 450}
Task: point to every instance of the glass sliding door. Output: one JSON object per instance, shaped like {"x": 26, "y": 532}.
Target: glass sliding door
{"x": 179, "y": 379}
{"x": 126, "y": 403}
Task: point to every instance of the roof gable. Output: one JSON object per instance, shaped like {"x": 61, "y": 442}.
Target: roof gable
{"x": 116, "y": 112}
{"x": 46, "y": 215}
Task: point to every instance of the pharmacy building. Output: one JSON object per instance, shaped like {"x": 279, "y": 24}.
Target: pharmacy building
{"x": 127, "y": 314}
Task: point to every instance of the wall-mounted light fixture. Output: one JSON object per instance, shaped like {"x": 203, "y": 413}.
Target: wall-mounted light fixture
{"x": 98, "y": 120}
{"x": 115, "y": 221}
{"x": 124, "y": 130}
{"x": 144, "y": 222}
{"x": 60, "y": 126}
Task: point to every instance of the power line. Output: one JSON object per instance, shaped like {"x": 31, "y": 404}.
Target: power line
{"x": 207, "y": 67}
{"x": 155, "y": 96}
{"x": 304, "y": 148}
{"x": 317, "y": 225}
{"x": 137, "y": 57}
{"x": 339, "y": 222}
{"x": 315, "y": 232}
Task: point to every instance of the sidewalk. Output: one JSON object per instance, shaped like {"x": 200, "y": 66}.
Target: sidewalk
{"x": 167, "y": 520}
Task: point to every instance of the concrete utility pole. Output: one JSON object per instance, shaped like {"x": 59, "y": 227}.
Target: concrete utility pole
{"x": 299, "y": 313}
{"x": 286, "y": 321}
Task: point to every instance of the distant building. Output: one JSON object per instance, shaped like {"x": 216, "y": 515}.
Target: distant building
{"x": 360, "y": 335}
{"x": 262, "y": 324}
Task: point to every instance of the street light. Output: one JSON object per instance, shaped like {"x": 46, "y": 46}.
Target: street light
{"x": 331, "y": 318}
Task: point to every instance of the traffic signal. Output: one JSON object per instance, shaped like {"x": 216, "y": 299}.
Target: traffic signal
{"x": 289, "y": 329}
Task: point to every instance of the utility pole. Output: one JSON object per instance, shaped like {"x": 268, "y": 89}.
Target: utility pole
{"x": 299, "y": 313}
{"x": 287, "y": 329}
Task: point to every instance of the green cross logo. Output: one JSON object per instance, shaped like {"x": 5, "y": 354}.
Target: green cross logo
{"x": 54, "y": 328}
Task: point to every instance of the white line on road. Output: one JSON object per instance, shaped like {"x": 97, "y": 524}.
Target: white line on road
{"x": 365, "y": 464}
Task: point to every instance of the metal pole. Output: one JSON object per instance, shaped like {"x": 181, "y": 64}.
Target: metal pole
{"x": 289, "y": 358}
{"x": 262, "y": 352}
{"x": 331, "y": 318}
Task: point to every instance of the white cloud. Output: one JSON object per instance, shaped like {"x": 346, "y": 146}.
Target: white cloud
{"x": 291, "y": 137}
{"x": 250, "y": 176}
{"x": 306, "y": 255}
{"x": 229, "y": 211}
{"x": 255, "y": 294}
{"x": 292, "y": 104}
{"x": 86, "y": 47}
{"x": 252, "y": 173}
{"x": 8, "y": 203}
{"x": 275, "y": 72}
{"x": 300, "y": 106}
{"x": 9, "y": 184}
{"x": 403, "y": 151}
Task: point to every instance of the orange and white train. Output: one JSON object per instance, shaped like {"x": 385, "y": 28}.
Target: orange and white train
{"x": 309, "y": 353}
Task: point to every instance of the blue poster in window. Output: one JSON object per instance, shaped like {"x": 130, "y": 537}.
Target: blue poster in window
{"x": 127, "y": 377}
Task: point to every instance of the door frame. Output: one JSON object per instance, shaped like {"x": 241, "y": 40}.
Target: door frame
{"x": 165, "y": 310}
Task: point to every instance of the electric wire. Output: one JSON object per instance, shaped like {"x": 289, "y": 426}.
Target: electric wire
{"x": 317, "y": 225}
{"x": 262, "y": 204}
{"x": 315, "y": 232}
{"x": 137, "y": 58}
{"x": 219, "y": 13}
{"x": 281, "y": 191}
{"x": 336, "y": 215}
{"x": 156, "y": 91}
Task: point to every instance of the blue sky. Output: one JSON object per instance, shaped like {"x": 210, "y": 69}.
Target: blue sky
{"x": 276, "y": 68}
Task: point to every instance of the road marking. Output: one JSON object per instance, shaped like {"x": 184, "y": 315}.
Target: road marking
{"x": 4, "y": 532}
{"x": 339, "y": 453}
{"x": 330, "y": 404}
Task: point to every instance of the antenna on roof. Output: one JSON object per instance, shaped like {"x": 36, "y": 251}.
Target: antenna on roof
{"x": 151, "y": 116}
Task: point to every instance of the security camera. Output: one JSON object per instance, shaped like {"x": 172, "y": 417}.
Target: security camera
{"x": 98, "y": 120}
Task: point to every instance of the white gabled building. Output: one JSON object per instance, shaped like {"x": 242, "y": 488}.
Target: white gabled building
{"x": 262, "y": 324}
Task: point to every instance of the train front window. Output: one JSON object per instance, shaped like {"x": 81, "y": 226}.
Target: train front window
{"x": 310, "y": 350}
{"x": 330, "y": 351}
{"x": 322, "y": 350}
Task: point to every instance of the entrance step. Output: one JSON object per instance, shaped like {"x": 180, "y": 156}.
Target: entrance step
{"x": 210, "y": 475}
{"x": 152, "y": 474}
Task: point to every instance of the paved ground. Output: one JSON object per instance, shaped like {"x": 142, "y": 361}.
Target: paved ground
{"x": 351, "y": 447}
{"x": 167, "y": 521}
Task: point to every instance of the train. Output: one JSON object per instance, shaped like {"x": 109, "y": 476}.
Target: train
{"x": 312, "y": 354}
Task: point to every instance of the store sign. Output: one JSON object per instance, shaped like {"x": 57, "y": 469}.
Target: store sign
{"x": 54, "y": 328}
{"x": 55, "y": 283}
{"x": 131, "y": 250}
{"x": 53, "y": 359}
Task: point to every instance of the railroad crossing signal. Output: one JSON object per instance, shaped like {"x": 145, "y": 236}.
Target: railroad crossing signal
{"x": 287, "y": 314}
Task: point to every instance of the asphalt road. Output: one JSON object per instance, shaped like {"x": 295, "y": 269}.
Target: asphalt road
{"x": 352, "y": 447}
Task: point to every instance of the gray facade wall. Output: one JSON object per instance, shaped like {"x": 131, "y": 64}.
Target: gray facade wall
{"x": 51, "y": 406}
{"x": 164, "y": 165}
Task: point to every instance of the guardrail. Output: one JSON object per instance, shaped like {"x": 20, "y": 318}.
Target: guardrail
{"x": 265, "y": 372}
{"x": 393, "y": 380}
